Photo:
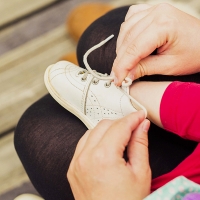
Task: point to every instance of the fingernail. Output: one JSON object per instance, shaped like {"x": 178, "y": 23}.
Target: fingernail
{"x": 116, "y": 81}
{"x": 112, "y": 74}
{"x": 146, "y": 125}
{"x": 131, "y": 76}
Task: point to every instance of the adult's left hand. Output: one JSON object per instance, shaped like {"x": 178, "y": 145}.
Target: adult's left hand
{"x": 98, "y": 170}
{"x": 164, "y": 28}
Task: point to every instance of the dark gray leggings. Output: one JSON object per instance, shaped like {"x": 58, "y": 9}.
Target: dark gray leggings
{"x": 47, "y": 134}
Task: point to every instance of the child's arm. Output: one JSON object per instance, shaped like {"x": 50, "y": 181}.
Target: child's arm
{"x": 149, "y": 94}
{"x": 172, "y": 106}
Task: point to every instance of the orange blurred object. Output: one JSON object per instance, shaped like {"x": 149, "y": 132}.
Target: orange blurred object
{"x": 83, "y": 15}
{"x": 71, "y": 57}
{"x": 79, "y": 19}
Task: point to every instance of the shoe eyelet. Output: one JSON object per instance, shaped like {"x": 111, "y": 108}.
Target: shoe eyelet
{"x": 83, "y": 79}
{"x": 107, "y": 85}
{"x": 81, "y": 72}
{"x": 95, "y": 82}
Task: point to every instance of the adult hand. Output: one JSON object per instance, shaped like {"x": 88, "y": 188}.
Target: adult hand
{"x": 98, "y": 170}
{"x": 146, "y": 28}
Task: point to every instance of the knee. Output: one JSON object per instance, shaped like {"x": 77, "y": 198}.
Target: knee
{"x": 30, "y": 124}
{"x": 23, "y": 133}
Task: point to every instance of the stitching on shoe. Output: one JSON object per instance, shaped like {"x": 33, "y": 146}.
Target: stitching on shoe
{"x": 121, "y": 104}
{"x": 72, "y": 78}
{"x": 57, "y": 75}
{"x": 92, "y": 101}
{"x": 85, "y": 93}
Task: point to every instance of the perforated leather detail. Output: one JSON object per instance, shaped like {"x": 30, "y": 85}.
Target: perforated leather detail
{"x": 97, "y": 113}
{"x": 110, "y": 114}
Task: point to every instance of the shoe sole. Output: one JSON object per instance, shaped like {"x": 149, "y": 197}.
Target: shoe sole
{"x": 63, "y": 103}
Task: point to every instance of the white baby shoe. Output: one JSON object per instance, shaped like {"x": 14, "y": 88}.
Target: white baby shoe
{"x": 89, "y": 95}
{"x": 28, "y": 197}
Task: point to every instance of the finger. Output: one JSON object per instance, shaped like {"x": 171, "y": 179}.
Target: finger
{"x": 137, "y": 150}
{"x": 132, "y": 18}
{"x": 140, "y": 48}
{"x": 156, "y": 64}
{"x": 135, "y": 9}
{"x": 118, "y": 135}
{"x": 131, "y": 29}
{"x": 97, "y": 133}
{"x": 91, "y": 138}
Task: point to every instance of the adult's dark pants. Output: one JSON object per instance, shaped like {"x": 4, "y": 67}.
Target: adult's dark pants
{"x": 47, "y": 134}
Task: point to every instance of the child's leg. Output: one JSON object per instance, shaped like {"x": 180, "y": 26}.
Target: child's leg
{"x": 162, "y": 144}
{"x": 173, "y": 106}
{"x": 176, "y": 107}
{"x": 149, "y": 94}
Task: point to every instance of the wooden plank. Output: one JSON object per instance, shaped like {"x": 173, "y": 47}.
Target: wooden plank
{"x": 21, "y": 73}
{"x": 36, "y": 25}
{"x": 33, "y": 26}
{"x": 12, "y": 173}
{"x": 12, "y": 9}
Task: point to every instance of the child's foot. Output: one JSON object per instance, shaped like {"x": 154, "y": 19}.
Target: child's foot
{"x": 89, "y": 95}
{"x": 28, "y": 197}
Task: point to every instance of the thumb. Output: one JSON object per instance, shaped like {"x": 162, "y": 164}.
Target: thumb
{"x": 138, "y": 148}
{"x": 154, "y": 64}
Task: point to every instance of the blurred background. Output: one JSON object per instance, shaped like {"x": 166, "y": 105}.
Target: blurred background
{"x": 33, "y": 35}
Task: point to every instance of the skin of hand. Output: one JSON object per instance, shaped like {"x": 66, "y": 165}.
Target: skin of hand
{"x": 98, "y": 170}
{"x": 172, "y": 33}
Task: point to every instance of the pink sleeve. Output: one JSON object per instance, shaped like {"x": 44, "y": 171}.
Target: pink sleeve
{"x": 180, "y": 110}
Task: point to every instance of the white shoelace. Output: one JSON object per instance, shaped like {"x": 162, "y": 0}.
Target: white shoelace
{"x": 126, "y": 83}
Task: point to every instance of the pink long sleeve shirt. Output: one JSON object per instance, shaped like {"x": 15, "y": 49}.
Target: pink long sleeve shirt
{"x": 180, "y": 114}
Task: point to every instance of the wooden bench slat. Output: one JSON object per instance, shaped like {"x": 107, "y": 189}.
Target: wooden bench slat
{"x": 12, "y": 9}
{"x": 22, "y": 70}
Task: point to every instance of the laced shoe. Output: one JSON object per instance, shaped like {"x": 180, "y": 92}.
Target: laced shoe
{"x": 89, "y": 95}
{"x": 28, "y": 197}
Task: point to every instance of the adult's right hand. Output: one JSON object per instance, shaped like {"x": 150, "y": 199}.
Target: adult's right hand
{"x": 98, "y": 170}
{"x": 175, "y": 35}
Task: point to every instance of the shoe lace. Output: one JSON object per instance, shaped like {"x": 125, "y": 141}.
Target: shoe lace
{"x": 95, "y": 80}
{"x": 98, "y": 76}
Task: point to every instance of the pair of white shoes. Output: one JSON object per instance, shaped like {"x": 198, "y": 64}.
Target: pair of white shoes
{"x": 89, "y": 95}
